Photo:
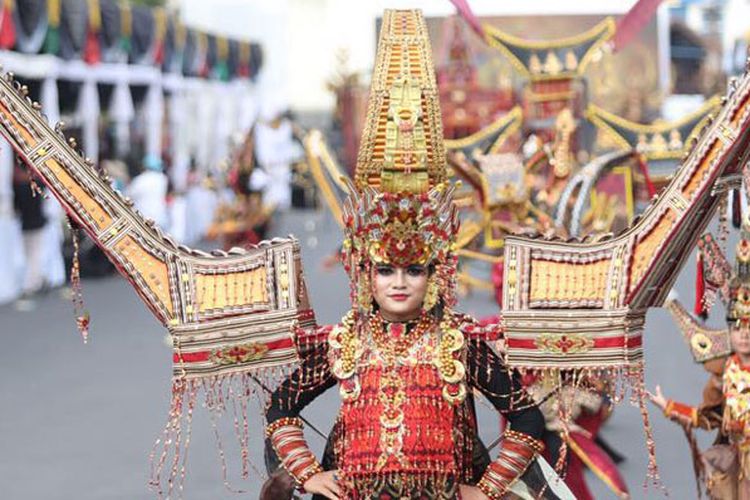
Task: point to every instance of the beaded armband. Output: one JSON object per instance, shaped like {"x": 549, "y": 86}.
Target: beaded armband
{"x": 678, "y": 411}
{"x": 289, "y": 442}
{"x": 517, "y": 452}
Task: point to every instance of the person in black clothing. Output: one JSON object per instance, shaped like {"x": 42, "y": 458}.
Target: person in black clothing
{"x": 28, "y": 206}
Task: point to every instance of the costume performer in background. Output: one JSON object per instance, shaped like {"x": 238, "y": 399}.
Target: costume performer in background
{"x": 276, "y": 150}
{"x": 588, "y": 409}
{"x": 405, "y": 362}
{"x": 724, "y": 468}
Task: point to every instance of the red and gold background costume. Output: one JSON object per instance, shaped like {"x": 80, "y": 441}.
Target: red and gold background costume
{"x": 724, "y": 468}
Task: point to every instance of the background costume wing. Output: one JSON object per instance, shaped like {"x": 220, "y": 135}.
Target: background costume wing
{"x": 227, "y": 311}
{"x": 330, "y": 178}
{"x": 706, "y": 344}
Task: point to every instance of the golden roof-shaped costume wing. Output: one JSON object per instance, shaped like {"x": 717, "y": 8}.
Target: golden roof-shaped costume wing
{"x": 227, "y": 311}
{"x": 550, "y": 59}
{"x": 656, "y": 141}
{"x": 490, "y": 139}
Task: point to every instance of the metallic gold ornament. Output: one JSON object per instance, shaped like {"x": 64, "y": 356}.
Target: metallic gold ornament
{"x": 432, "y": 295}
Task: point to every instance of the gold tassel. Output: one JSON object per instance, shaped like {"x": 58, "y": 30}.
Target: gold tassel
{"x": 83, "y": 319}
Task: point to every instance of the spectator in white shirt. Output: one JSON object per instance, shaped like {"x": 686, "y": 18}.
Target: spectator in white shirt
{"x": 148, "y": 190}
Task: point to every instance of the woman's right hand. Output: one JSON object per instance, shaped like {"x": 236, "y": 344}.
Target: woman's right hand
{"x": 658, "y": 398}
{"x": 324, "y": 483}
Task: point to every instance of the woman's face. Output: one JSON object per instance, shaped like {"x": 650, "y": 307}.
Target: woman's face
{"x": 739, "y": 335}
{"x": 399, "y": 291}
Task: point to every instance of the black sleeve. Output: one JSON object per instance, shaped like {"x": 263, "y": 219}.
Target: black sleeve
{"x": 503, "y": 388}
{"x": 309, "y": 381}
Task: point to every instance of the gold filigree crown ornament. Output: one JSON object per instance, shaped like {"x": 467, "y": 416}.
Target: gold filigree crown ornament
{"x": 739, "y": 284}
{"x": 400, "y": 210}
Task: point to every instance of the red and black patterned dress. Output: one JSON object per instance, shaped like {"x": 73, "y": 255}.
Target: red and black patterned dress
{"x": 406, "y": 427}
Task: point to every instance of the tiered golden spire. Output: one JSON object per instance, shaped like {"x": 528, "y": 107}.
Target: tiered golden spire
{"x": 402, "y": 146}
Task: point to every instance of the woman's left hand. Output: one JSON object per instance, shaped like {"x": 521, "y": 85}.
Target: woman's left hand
{"x": 471, "y": 493}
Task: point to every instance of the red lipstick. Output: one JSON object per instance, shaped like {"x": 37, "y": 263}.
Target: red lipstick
{"x": 399, "y": 297}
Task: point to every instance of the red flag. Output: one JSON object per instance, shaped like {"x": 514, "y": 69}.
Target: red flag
{"x": 159, "y": 52}
{"x": 7, "y": 29}
{"x": 462, "y": 6}
{"x": 633, "y": 22}
{"x": 92, "y": 53}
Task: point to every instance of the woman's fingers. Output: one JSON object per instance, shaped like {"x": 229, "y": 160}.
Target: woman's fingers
{"x": 334, "y": 487}
{"x": 330, "y": 486}
{"x": 330, "y": 493}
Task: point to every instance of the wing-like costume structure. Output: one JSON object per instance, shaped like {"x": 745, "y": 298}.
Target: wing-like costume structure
{"x": 230, "y": 314}
{"x": 216, "y": 306}
{"x": 474, "y": 200}
{"x": 706, "y": 344}
{"x": 663, "y": 144}
{"x": 490, "y": 139}
{"x": 578, "y": 305}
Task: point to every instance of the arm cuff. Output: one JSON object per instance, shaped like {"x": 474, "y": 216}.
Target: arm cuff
{"x": 517, "y": 452}
{"x": 678, "y": 411}
{"x": 289, "y": 443}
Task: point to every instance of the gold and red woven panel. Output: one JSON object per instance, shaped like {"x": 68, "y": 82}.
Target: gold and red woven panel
{"x": 423, "y": 434}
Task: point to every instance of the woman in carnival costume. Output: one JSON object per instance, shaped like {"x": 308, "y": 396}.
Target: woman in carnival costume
{"x": 405, "y": 361}
{"x": 724, "y": 468}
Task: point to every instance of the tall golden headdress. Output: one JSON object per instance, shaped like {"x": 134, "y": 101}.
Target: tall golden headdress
{"x": 402, "y": 146}
{"x": 401, "y": 210}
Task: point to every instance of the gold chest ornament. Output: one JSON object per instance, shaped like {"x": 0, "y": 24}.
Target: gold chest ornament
{"x": 737, "y": 397}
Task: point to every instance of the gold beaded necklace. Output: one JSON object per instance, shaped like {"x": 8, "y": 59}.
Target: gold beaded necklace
{"x": 396, "y": 340}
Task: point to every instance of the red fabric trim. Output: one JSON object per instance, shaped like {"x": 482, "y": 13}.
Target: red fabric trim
{"x": 306, "y": 314}
{"x": 633, "y": 22}
{"x": 599, "y": 462}
{"x": 644, "y": 170}
{"x": 197, "y": 357}
{"x": 681, "y": 412}
{"x": 599, "y": 343}
{"x": 700, "y": 288}
{"x": 159, "y": 53}
{"x": 498, "y": 273}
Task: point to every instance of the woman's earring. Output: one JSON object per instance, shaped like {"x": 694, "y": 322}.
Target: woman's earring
{"x": 364, "y": 293}
{"x": 431, "y": 296}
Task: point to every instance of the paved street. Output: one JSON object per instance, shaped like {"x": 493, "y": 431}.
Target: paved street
{"x": 78, "y": 421}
